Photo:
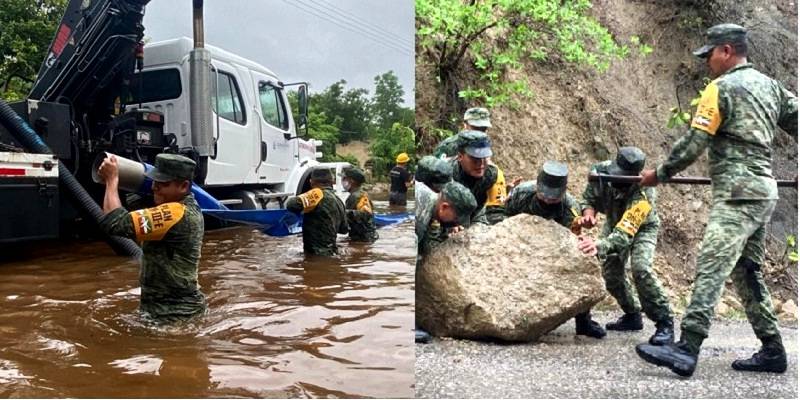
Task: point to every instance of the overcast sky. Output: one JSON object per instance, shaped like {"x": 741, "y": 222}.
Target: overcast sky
{"x": 319, "y": 41}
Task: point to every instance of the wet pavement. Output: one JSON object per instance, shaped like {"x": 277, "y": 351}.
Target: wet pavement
{"x": 278, "y": 325}
{"x": 563, "y": 365}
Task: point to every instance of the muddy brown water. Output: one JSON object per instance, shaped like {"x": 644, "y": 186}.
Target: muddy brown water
{"x": 279, "y": 324}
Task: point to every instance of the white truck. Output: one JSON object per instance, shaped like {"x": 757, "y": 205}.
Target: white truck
{"x": 101, "y": 90}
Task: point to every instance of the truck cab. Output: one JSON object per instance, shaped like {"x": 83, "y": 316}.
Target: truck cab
{"x": 257, "y": 157}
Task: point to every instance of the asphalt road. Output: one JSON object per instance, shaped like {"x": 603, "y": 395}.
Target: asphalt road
{"x": 565, "y": 365}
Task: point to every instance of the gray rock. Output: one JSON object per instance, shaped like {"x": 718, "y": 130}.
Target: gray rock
{"x": 515, "y": 281}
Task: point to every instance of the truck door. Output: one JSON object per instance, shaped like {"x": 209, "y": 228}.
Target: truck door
{"x": 278, "y": 144}
{"x": 233, "y": 159}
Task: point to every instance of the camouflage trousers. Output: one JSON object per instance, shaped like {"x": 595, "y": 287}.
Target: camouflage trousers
{"x": 654, "y": 301}
{"x": 736, "y": 229}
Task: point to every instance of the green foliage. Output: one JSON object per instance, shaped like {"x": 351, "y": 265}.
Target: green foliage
{"x": 387, "y": 144}
{"x": 791, "y": 248}
{"x": 338, "y": 115}
{"x": 26, "y": 29}
{"x": 680, "y": 118}
{"x": 535, "y": 30}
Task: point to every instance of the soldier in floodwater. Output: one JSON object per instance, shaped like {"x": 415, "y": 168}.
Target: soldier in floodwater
{"x": 360, "y": 215}
{"x": 323, "y": 214}
{"x": 171, "y": 233}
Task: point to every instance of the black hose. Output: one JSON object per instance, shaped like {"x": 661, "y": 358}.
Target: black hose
{"x": 23, "y": 133}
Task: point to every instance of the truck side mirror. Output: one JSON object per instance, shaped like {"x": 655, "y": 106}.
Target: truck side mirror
{"x": 302, "y": 103}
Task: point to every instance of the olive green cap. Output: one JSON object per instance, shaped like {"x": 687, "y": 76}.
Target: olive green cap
{"x": 475, "y": 143}
{"x": 355, "y": 174}
{"x": 434, "y": 172}
{"x": 630, "y": 161}
{"x": 552, "y": 180}
{"x": 172, "y": 167}
{"x": 721, "y": 34}
{"x": 322, "y": 175}
{"x": 461, "y": 199}
{"x": 478, "y": 117}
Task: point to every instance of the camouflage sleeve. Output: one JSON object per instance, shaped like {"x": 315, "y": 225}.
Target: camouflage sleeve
{"x": 350, "y": 203}
{"x": 305, "y": 202}
{"x": 479, "y": 217}
{"x": 360, "y": 207}
{"x": 118, "y": 223}
{"x": 572, "y": 216}
{"x": 683, "y": 153}
{"x": 638, "y": 214}
{"x": 707, "y": 120}
{"x": 516, "y": 202}
{"x": 294, "y": 204}
{"x": 788, "y": 118}
{"x": 590, "y": 197}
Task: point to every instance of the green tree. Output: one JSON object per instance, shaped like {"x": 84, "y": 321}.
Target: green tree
{"x": 452, "y": 34}
{"x": 387, "y": 101}
{"x": 387, "y": 144}
{"x": 26, "y": 29}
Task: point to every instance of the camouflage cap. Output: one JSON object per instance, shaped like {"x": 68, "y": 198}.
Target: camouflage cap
{"x": 461, "y": 199}
{"x": 434, "y": 172}
{"x": 322, "y": 175}
{"x": 552, "y": 180}
{"x": 475, "y": 143}
{"x": 172, "y": 167}
{"x": 478, "y": 117}
{"x": 721, "y": 34}
{"x": 355, "y": 174}
{"x": 630, "y": 161}
{"x": 447, "y": 148}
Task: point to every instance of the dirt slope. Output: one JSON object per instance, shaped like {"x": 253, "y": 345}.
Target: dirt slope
{"x": 581, "y": 117}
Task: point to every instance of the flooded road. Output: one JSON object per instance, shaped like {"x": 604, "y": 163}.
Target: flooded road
{"x": 279, "y": 324}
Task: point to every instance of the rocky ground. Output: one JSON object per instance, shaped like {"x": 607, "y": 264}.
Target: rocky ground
{"x": 563, "y": 365}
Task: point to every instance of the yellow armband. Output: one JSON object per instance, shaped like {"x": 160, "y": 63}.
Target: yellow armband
{"x": 364, "y": 204}
{"x": 311, "y": 199}
{"x": 496, "y": 195}
{"x": 634, "y": 217}
{"x": 708, "y": 118}
{"x": 154, "y": 223}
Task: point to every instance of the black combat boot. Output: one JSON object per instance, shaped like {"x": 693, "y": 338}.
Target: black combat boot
{"x": 627, "y": 322}
{"x": 664, "y": 333}
{"x": 421, "y": 336}
{"x": 586, "y": 327}
{"x": 675, "y": 356}
{"x": 771, "y": 358}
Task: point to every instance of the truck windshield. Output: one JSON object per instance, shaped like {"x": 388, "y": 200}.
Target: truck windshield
{"x": 158, "y": 85}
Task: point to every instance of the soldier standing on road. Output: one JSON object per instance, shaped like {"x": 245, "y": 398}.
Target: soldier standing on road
{"x": 401, "y": 179}
{"x": 630, "y": 231}
{"x": 171, "y": 234}
{"x": 358, "y": 206}
{"x": 324, "y": 214}
{"x": 436, "y": 213}
{"x": 547, "y": 197}
{"x": 472, "y": 169}
{"x": 475, "y": 119}
{"x": 736, "y": 119}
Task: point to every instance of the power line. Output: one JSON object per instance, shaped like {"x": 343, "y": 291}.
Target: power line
{"x": 391, "y": 36}
{"x": 311, "y": 10}
{"x": 347, "y": 25}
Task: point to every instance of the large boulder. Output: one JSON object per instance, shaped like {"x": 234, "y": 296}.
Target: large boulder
{"x": 515, "y": 281}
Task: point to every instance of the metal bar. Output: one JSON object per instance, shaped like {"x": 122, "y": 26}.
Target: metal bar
{"x": 684, "y": 180}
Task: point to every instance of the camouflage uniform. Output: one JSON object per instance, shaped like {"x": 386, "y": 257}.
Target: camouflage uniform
{"x": 360, "y": 216}
{"x": 736, "y": 120}
{"x": 324, "y": 217}
{"x": 490, "y": 189}
{"x": 434, "y": 172}
{"x": 523, "y": 200}
{"x": 172, "y": 235}
{"x": 429, "y": 230}
{"x": 631, "y": 230}
{"x": 447, "y": 148}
